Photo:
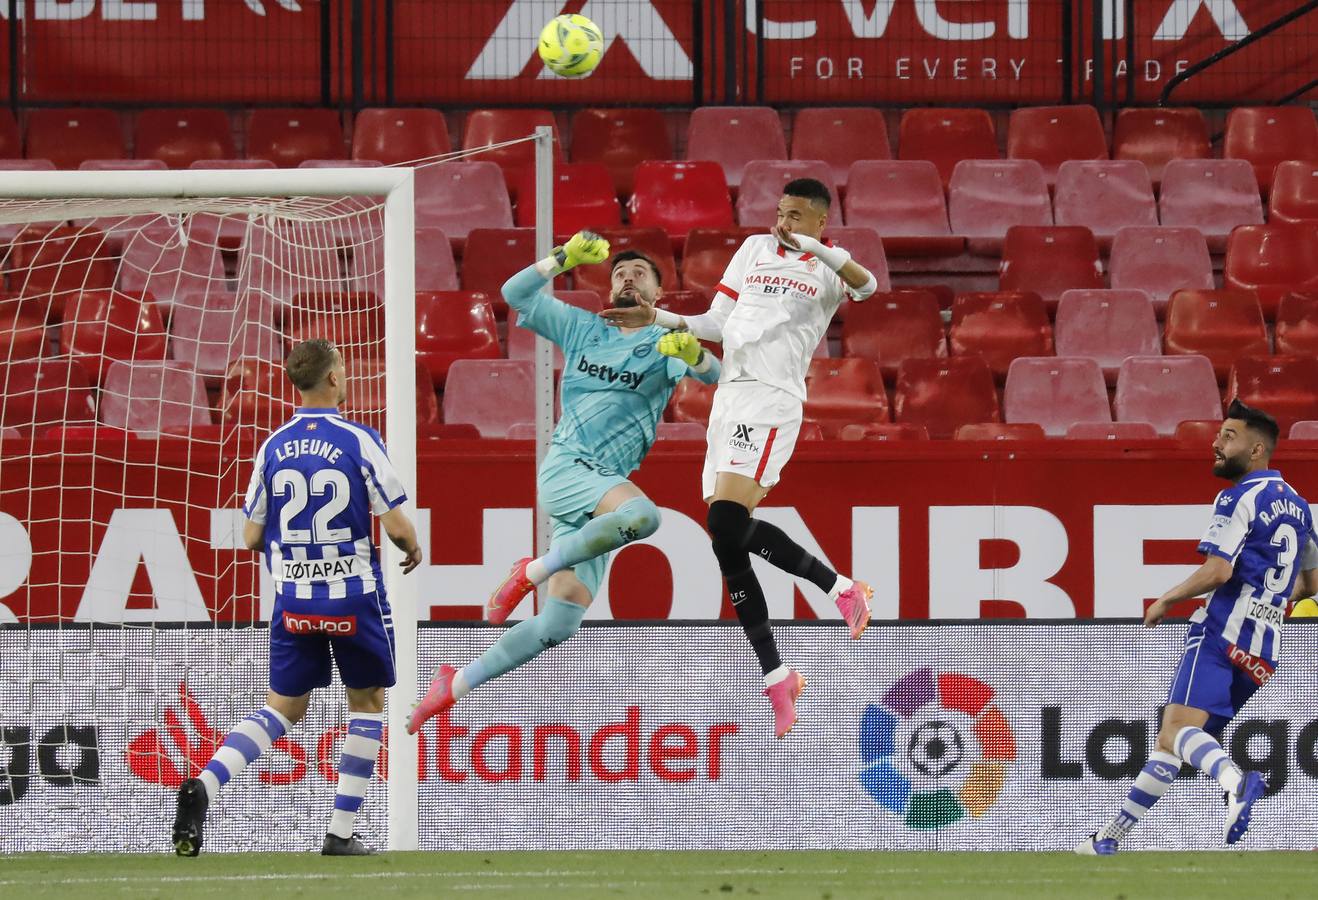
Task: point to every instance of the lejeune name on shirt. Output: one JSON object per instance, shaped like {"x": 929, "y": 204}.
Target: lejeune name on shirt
{"x": 1265, "y": 612}
{"x": 306, "y": 571}
{"x": 307, "y": 447}
{"x": 1283, "y": 508}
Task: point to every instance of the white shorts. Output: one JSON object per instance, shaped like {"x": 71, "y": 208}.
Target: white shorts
{"x": 752, "y": 432}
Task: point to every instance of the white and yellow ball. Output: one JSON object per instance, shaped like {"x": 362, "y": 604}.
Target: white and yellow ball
{"x": 571, "y": 46}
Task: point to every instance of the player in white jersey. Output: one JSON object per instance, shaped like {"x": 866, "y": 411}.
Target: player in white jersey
{"x": 770, "y": 311}
{"x": 317, "y": 482}
{"x": 1260, "y": 553}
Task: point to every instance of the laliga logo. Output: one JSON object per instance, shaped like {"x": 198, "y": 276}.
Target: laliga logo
{"x": 935, "y": 748}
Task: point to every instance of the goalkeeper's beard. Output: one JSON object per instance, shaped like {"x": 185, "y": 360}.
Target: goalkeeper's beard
{"x": 626, "y": 299}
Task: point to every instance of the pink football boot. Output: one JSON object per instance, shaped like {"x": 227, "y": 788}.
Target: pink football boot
{"x": 854, "y": 604}
{"x": 436, "y": 700}
{"x": 783, "y": 697}
{"x": 504, "y": 600}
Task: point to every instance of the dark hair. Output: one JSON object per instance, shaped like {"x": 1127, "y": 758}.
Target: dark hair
{"x": 1257, "y": 420}
{"x": 629, "y": 255}
{"x": 310, "y": 362}
{"x": 811, "y": 189}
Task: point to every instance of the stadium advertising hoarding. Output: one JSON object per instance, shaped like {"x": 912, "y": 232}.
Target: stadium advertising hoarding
{"x": 1004, "y": 736}
{"x": 1054, "y": 530}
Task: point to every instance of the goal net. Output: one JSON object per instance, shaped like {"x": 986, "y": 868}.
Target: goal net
{"x": 143, "y": 326}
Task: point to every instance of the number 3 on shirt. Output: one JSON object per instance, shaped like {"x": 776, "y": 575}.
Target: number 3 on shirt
{"x": 1279, "y": 578}
{"x": 324, "y": 482}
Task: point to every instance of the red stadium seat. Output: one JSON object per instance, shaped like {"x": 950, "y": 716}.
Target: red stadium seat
{"x": 680, "y": 431}
{"x": 399, "y": 135}
{"x": 842, "y": 391}
{"x": 492, "y": 394}
{"x": 67, "y": 137}
{"x": 10, "y": 230}
{"x": 180, "y": 137}
{"x": 1166, "y": 390}
{"x": 153, "y": 396}
{"x": 44, "y": 392}
{"x": 762, "y": 188}
{"x": 1055, "y": 393}
{"x": 866, "y": 248}
{"x": 1053, "y": 135}
{"x": 1107, "y": 327}
{"x": 1157, "y": 136}
{"x": 943, "y": 394}
{"x": 1285, "y": 386}
{"x": 621, "y": 139}
{"x": 945, "y": 137}
{"x": 1000, "y": 431}
{"x": 1159, "y": 261}
{"x": 883, "y": 431}
{"x": 1198, "y": 432}
{"x": 684, "y": 303}
{"x": 289, "y": 137}
{"x": 460, "y": 196}
{"x": 23, "y": 327}
{"x": 257, "y": 394}
{"x": 1294, "y": 196}
{"x": 1212, "y": 195}
{"x": 11, "y": 142}
{"x": 447, "y": 432}
{"x": 1268, "y": 135}
{"x": 706, "y": 255}
{"x": 59, "y": 261}
{"x": 987, "y": 197}
{"x": 103, "y": 326}
{"x": 118, "y": 229}
{"x": 521, "y": 341}
{"x": 1272, "y": 260}
{"x": 208, "y": 330}
{"x": 487, "y": 127}
{"x": 453, "y": 325}
{"x": 1297, "y": 325}
{"x": 998, "y": 326}
{"x": 837, "y": 137}
{"x": 653, "y": 242}
{"x": 232, "y": 164}
{"x": 291, "y": 258}
{"x": 679, "y": 196}
{"x": 366, "y": 390}
{"x": 1304, "y": 431}
{"x": 354, "y": 321}
{"x": 1112, "y": 431}
{"x": 1049, "y": 261}
{"x": 1105, "y": 196}
{"x": 1221, "y": 325}
{"x": 164, "y": 261}
{"x": 493, "y": 256}
{"x": 732, "y": 136}
{"x": 691, "y": 401}
{"x": 892, "y": 327}
{"x": 584, "y": 198}
{"x": 903, "y": 202}
{"x": 810, "y": 431}
{"x": 436, "y": 269}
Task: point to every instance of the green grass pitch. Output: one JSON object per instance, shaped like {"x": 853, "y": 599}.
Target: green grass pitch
{"x": 671, "y": 875}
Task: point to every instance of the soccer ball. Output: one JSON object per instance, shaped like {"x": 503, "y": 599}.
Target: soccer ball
{"x": 571, "y": 46}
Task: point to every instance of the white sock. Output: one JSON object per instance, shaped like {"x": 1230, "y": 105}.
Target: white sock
{"x": 536, "y": 572}
{"x": 356, "y": 764}
{"x": 1201, "y": 750}
{"x": 776, "y": 676}
{"x": 842, "y": 583}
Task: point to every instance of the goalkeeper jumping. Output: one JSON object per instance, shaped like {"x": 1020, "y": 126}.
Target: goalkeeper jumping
{"x": 615, "y": 388}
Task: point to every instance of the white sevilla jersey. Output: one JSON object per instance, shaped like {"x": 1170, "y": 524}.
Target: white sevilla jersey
{"x": 784, "y": 300}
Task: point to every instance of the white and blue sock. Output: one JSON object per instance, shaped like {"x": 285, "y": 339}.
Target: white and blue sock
{"x": 1201, "y": 750}
{"x": 356, "y": 764}
{"x": 249, "y": 739}
{"x": 1151, "y": 783}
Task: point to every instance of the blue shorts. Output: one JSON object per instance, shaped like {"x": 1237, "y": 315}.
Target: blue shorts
{"x": 1207, "y": 679}
{"x": 358, "y": 632}
{"x": 570, "y": 487}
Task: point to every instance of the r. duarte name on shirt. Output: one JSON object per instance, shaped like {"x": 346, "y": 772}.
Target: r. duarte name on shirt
{"x": 765, "y": 282}
{"x": 1283, "y": 507}
{"x": 608, "y": 373}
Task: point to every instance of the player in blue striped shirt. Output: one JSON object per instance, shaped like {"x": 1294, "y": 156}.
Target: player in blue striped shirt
{"x": 317, "y": 481}
{"x": 1260, "y": 552}
{"x": 615, "y": 389}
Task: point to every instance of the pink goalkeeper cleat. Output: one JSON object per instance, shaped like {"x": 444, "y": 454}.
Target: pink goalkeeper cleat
{"x": 436, "y": 700}
{"x": 783, "y": 697}
{"x": 510, "y": 593}
{"x": 854, "y": 604}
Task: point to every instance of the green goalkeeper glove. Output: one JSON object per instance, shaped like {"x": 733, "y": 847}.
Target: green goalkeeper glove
{"x": 683, "y": 345}
{"x": 583, "y": 248}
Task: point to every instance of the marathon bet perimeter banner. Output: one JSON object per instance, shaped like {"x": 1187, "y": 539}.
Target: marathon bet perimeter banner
{"x": 965, "y": 736}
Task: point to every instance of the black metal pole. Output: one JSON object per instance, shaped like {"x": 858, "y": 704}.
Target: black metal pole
{"x": 1130, "y": 51}
{"x": 1068, "y": 52}
{"x": 1099, "y": 66}
{"x": 1298, "y": 92}
{"x": 389, "y": 52}
{"x": 699, "y": 54}
{"x": 358, "y": 26}
{"x": 326, "y": 87}
{"x": 759, "y": 50}
{"x": 729, "y": 51}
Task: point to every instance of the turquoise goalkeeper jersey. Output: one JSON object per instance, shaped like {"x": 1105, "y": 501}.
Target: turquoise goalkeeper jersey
{"x": 615, "y": 385}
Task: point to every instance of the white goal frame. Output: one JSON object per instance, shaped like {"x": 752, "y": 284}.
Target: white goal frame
{"x": 395, "y": 185}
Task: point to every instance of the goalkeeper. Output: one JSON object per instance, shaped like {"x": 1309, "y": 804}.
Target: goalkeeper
{"x": 615, "y": 387}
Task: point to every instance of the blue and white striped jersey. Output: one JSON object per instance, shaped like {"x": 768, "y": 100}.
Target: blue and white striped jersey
{"x": 317, "y": 481}
{"x": 1265, "y": 530}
